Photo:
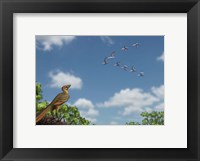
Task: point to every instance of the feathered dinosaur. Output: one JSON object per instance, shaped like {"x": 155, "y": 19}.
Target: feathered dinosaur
{"x": 60, "y": 99}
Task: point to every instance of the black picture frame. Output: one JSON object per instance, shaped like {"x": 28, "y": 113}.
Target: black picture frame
{"x": 191, "y": 7}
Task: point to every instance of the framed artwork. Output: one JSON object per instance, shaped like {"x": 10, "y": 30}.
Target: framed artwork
{"x": 96, "y": 80}
{"x": 125, "y": 63}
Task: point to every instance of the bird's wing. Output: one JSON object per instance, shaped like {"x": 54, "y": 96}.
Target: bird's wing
{"x": 60, "y": 99}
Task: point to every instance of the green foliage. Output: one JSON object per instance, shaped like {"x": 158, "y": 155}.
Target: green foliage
{"x": 38, "y": 92}
{"x": 153, "y": 118}
{"x": 68, "y": 114}
{"x": 39, "y": 104}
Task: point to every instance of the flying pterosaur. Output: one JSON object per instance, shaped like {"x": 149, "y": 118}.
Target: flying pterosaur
{"x": 125, "y": 67}
{"x": 112, "y": 56}
{"x": 105, "y": 61}
{"x": 141, "y": 74}
{"x": 117, "y": 64}
{"x": 136, "y": 45}
{"x": 133, "y": 69}
{"x": 124, "y": 48}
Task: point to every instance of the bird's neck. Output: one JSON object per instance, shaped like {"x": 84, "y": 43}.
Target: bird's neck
{"x": 65, "y": 91}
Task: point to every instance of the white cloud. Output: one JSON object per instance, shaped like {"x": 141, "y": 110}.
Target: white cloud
{"x": 158, "y": 91}
{"x": 134, "y": 100}
{"x": 87, "y": 109}
{"x": 161, "y": 57}
{"x": 92, "y": 112}
{"x": 160, "y": 106}
{"x": 148, "y": 109}
{"x": 59, "y": 78}
{"x": 107, "y": 40}
{"x": 136, "y": 97}
{"x": 84, "y": 103}
{"x": 47, "y": 42}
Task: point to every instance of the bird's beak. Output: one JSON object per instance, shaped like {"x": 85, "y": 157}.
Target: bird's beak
{"x": 68, "y": 86}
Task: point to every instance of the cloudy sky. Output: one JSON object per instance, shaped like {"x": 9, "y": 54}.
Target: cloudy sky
{"x": 104, "y": 94}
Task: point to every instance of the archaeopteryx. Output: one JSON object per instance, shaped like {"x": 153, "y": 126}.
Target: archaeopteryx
{"x": 60, "y": 99}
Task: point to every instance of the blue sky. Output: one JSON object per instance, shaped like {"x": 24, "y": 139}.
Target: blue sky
{"x": 104, "y": 94}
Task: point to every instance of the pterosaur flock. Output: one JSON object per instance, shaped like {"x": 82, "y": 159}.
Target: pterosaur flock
{"x": 125, "y": 67}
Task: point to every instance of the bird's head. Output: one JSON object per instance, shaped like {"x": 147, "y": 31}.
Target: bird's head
{"x": 66, "y": 87}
